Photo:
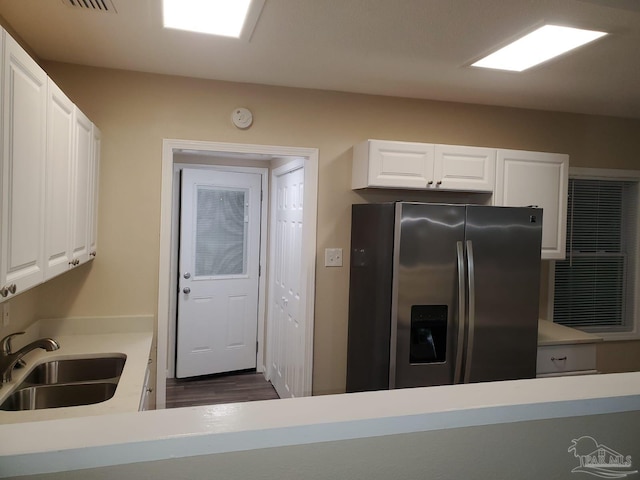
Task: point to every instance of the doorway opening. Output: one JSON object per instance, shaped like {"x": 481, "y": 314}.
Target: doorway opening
{"x": 274, "y": 344}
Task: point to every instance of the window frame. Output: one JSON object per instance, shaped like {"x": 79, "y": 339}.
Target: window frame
{"x": 605, "y": 174}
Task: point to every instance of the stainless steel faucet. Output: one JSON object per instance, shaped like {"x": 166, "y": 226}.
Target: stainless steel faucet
{"x": 8, "y": 359}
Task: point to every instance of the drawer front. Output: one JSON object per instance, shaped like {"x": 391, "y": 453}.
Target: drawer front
{"x": 566, "y": 358}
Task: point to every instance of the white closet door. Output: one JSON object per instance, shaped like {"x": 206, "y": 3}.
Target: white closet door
{"x": 287, "y": 339}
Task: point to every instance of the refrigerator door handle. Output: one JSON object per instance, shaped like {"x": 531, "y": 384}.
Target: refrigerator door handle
{"x": 461, "y": 313}
{"x": 472, "y": 313}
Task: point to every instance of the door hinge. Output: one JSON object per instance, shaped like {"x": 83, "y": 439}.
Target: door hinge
{"x": 256, "y": 347}
{"x": 260, "y": 195}
{"x": 259, "y": 270}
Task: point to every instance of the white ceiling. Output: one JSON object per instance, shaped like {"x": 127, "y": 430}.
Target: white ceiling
{"x": 408, "y": 48}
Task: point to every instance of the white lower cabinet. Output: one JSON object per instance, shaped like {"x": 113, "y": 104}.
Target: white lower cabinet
{"x": 22, "y": 170}
{"x": 540, "y": 179}
{"x": 146, "y": 391}
{"x": 570, "y": 359}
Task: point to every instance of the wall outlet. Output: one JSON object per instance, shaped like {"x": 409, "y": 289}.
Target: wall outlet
{"x": 332, "y": 257}
{"x": 5, "y": 312}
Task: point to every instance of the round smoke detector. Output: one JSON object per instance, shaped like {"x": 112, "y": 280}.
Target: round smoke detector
{"x": 242, "y": 118}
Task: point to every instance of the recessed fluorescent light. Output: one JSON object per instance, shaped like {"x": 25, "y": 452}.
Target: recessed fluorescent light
{"x": 215, "y": 17}
{"x": 540, "y": 45}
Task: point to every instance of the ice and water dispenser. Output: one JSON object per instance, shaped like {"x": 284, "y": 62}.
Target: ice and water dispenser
{"x": 428, "y": 334}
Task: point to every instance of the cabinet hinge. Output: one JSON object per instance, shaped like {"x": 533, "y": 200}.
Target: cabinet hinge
{"x": 259, "y": 270}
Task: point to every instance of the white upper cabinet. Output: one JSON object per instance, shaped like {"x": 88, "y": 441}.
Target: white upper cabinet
{"x": 517, "y": 178}
{"x": 82, "y": 181}
{"x": 378, "y": 163}
{"x": 24, "y": 106}
{"x": 541, "y": 179}
{"x": 59, "y": 174}
{"x": 387, "y": 164}
{"x": 471, "y": 169}
{"x": 49, "y": 157}
{"x": 94, "y": 180}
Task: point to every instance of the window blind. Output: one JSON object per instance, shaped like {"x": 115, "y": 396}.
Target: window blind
{"x": 221, "y": 232}
{"x": 594, "y": 286}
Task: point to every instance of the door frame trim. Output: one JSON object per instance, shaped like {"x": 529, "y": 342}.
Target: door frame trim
{"x": 167, "y": 297}
{"x": 175, "y": 235}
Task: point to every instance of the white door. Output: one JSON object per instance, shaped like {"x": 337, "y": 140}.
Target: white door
{"x": 469, "y": 169}
{"x": 22, "y": 169}
{"x": 288, "y": 335}
{"x": 218, "y": 268}
{"x": 83, "y": 135}
{"x": 94, "y": 180}
{"x": 58, "y": 208}
{"x": 537, "y": 178}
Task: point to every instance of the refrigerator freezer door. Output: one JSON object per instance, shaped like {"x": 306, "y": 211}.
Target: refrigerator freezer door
{"x": 425, "y": 294}
{"x": 370, "y": 297}
{"x": 506, "y": 282}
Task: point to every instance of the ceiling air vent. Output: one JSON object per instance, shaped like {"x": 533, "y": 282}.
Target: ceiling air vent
{"x": 105, "y": 6}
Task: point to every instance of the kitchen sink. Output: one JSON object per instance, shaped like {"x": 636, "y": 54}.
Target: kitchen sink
{"x": 76, "y": 370}
{"x": 63, "y": 395}
{"x": 67, "y": 383}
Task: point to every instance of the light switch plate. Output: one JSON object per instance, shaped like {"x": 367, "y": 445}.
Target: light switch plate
{"x": 332, "y": 257}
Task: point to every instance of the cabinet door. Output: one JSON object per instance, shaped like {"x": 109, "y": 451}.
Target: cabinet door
{"x": 83, "y": 135}
{"x": 146, "y": 391}
{"x": 533, "y": 178}
{"x": 94, "y": 181}
{"x": 58, "y": 182}
{"x": 24, "y": 106}
{"x": 400, "y": 164}
{"x": 470, "y": 169}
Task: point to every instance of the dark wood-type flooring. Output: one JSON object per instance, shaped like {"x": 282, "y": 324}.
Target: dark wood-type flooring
{"x": 222, "y": 388}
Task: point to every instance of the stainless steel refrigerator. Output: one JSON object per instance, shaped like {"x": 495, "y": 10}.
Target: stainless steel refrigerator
{"x": 442, "y": 294}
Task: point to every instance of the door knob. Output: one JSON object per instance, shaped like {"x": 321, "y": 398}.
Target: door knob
{"x": 187, "y": 275}
{"x": 186, "y": 290}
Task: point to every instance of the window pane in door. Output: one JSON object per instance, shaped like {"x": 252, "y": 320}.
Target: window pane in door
{"x": 221, "y": 232}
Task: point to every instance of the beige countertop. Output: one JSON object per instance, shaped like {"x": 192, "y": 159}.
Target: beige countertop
{"x": 89, "y": 337}
{"x": 102, "y": 440}
{"x": 550, "y": 333}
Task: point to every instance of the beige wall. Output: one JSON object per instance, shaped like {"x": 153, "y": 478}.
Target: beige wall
{"x": 136, "y": 111}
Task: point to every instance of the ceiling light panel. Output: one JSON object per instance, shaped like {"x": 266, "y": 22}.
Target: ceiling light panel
{"x": 228, "y": 18}
{"x": 538, "y": 46}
